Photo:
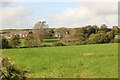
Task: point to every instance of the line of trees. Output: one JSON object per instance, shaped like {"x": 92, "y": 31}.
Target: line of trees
{"x": 84, "y": 35}
{"x": 93, "y": 35}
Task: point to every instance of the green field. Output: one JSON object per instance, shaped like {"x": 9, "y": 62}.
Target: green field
{"x": 50, "y": 41}
{"x": 84, "y": 61}
{"x": 45, "y": 41}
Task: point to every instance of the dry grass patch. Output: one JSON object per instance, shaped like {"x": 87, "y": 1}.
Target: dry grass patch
{"x": 88, "y": 54}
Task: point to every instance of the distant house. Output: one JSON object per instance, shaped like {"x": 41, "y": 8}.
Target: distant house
{"x": 7, "y": 35}
{"x": 61, "y": 32}
{"x": 21, "y": 34}
{"x": 59, "y": 35}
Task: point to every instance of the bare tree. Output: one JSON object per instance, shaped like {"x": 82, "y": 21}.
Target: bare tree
{"x": 41, "y": 25}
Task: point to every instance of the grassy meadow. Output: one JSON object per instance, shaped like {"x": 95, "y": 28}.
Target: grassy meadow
{"x": 83, "y": 61}
{"x": 50, "y": 41}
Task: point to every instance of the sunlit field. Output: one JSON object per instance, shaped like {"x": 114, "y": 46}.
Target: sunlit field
{"x": 83, "y": 61}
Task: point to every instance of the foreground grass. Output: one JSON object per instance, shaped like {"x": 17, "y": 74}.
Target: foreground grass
{"x": 85, "y": 61}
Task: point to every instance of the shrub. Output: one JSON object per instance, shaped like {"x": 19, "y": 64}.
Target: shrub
{"x": 4, "y": 44}
{"x": 58, "y": 44}
{"x": 11, "y": 72}
{"x": 117, "y": 39}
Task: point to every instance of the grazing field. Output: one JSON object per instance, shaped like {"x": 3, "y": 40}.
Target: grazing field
{"x": 50, "y": 41}
{"x": 84, "y": 61}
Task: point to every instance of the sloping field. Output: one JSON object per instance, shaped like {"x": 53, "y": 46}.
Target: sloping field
{"x": 84, "y": 61}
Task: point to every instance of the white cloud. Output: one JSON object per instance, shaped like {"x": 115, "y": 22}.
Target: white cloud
{"x": 14, "y": 17}
{"x": 13, "y": 12}
{"x": 71, "y": 16}
{"x": 86, "y": 13}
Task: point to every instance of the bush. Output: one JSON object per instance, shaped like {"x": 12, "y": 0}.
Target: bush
{"x": 4, "y": 44}
{"x": 11, "y": 72}
{"x": 58, "y": 44}
{"x": 117, "y": 39}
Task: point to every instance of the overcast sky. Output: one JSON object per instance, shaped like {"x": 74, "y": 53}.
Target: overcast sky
{"x": 64, "y": 13}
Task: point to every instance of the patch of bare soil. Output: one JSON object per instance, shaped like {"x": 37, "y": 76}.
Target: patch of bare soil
{"x": 88, "y": 54}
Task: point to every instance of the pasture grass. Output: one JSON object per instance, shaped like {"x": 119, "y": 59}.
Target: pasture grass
{"x": 50, "y": 41}
{"x": 83, "y": 61}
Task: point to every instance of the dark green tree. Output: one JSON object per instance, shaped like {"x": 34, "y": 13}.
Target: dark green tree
{"x": 50, "y": 33}
{"x": 98, "y": 38}
{"x": 29, "y": 40}
{"x": 110, "y": 36}
{"x": 90, "y": 30}
{"x": 116, "y": 30}
{"x": 15, "y": 41}
{"x": 33, "y": 39}
{"x": 4, "y": 43}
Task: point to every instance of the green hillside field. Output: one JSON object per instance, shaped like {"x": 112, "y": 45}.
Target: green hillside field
{"x": 83, "y": 61}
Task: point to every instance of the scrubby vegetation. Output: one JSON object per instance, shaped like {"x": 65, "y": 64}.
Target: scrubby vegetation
{"x": 8, "y": 71}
